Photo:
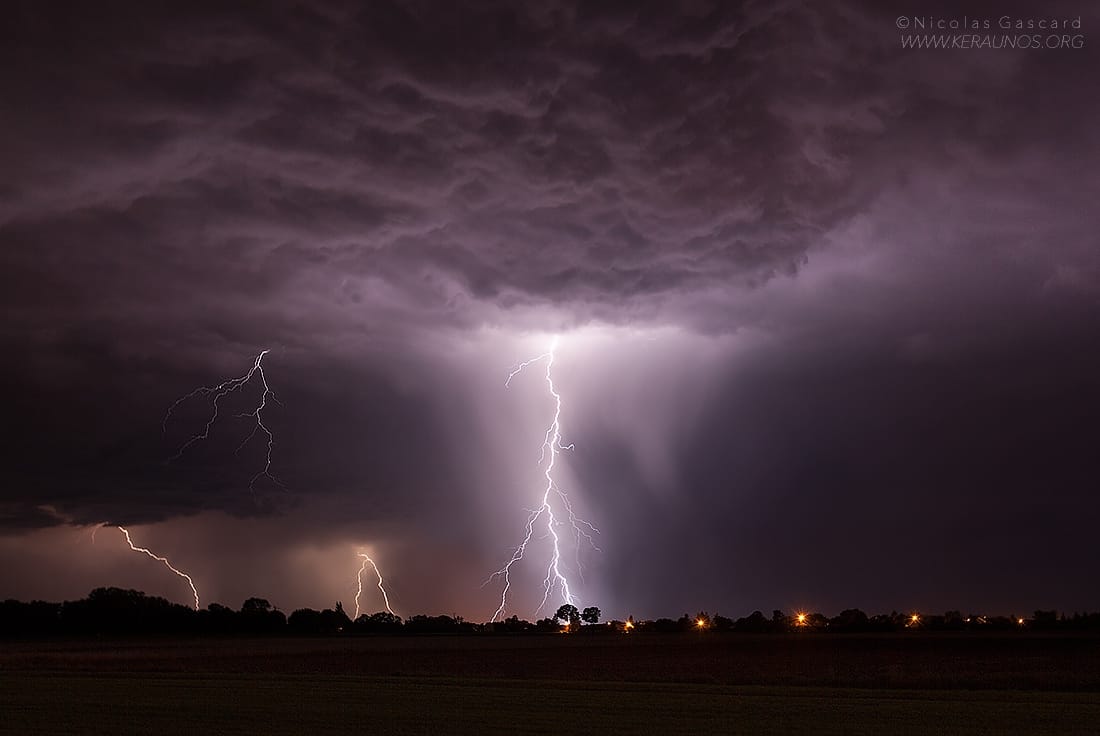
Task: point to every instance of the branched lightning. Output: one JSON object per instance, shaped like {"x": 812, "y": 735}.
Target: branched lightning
{"x": 167, "y": 564}
{"x": 222, "y": 390}
{"x": 551, "y": 446}
{"x": 368, "y": 561}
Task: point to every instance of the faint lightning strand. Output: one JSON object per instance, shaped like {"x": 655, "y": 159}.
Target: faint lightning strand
{"x": 577, "y": 523}
{"x": 260, "y": 426}
{"x": 551, "y": 447}
{"x": 222, "y": 390}
{"x": 167, "y": 564}
{"x": 368, "y": 561}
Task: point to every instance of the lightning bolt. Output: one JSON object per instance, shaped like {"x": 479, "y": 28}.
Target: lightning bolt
{"x": 551, "y": 447}
{"x": 167, "y": 564}
{"x": 219, "y": 392}
{"x": 368, "y": 561}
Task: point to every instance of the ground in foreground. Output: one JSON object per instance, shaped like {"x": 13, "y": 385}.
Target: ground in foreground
{"x": 272, "y": 704}
{"x": 668, "y": 685}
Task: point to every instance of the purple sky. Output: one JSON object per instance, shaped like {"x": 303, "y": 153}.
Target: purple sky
{"x": 829, "y": 308}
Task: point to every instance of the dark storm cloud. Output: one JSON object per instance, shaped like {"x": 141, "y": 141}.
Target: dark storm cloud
{"x": 575, "y": 155}
{"x": 362, "y": 187}
{"x": 600, "y": 157}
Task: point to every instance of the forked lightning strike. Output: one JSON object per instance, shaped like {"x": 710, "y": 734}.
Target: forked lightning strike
{"x": 368, "y": 561}
{"x": 551, "y": 447}
{"x": 219, "y": 392}
{"x": 167, "y": 564}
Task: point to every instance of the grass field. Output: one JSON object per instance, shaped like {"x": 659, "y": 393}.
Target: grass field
{"x": 667, "y": 685}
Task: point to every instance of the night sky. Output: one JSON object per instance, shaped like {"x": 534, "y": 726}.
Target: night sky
{"x": 828, "y": 309}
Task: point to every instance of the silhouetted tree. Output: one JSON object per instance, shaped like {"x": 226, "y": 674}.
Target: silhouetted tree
{"x": 256, "y": 605}
{"x": 881, "y": 623}
{"x": 662, "y": 626}
{"x": 722, "y": 623}
{"x": 850, "y": 620}
{"x": 37, "y": 618}
{"x": 258, "y": 616}
{"x": 335, "y": 620}
{"x": 513, "y": 625}
{"x": 1044, "y": 620}
{"x": 422, "y": 624}
{"x": 570, "y": 615}
{"x": 953, "y": 620}
{"x": 122, "y": 611}
{"x": 546, "y": 625}
{"x": 305, "y": 621}
{"x": 382, "y": 622}
{"x": 116, "y": 611}
{"x": 754, "y": 623}
{"x": 219, "y": 619}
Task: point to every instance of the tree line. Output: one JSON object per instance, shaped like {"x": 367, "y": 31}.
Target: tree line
{"x": 123, "y": 611}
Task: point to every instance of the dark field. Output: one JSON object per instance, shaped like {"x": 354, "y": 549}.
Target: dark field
{"x": 614, "y": 684}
